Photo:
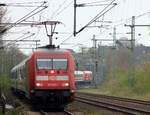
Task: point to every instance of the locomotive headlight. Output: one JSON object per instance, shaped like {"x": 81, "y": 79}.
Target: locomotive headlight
{"x": 52, "y": 71}
{"x": 66, "y": 84}
{"x": 38, "y": 84}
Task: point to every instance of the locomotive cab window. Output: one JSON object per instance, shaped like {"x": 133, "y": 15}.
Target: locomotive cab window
{"x": 60, "y": 64}
{"x": 57, "y": 64}
{"x": 44, "y": 63}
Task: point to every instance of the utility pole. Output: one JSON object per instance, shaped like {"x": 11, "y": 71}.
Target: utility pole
{"x": 36, "y": 44}
{"x": 94, "y": 45}
{"x": 96, "y": 64}
{"x": 114, "y": 52}
{"x": 95, "y": 61}
{"x": 133, "y": 34}
{"x": 82, "y": 50}
{"x": 114, "y": 37}
{"x": 101, "y": 64}
{"x": 132, "y": 26}
{"x": 131, "y": 80}
{"x": 75, "y": 8}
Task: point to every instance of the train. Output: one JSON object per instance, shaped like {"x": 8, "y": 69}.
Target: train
{"x": 83, "y": 78}
{"x": 46, "y": 77}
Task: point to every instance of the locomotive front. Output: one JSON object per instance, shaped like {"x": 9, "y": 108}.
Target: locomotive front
{"x": 53, "y": 81}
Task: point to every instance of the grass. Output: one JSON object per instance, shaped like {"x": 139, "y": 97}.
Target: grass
{"x": 126, "y": 83}
{"x": 86, "y": 109}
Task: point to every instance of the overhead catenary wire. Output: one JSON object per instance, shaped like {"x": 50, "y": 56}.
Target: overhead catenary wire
{"x": 12, "y": 3}
{"x": 70, "y": 37}
{"x": 63, "y": 32}
{"x": 21, "y": 36}
{"x": 98, "y": 1}
{"x": 39, "y": 28}
{"x": 90, "y": 5}
{"x": 128, "y": 19}
{"x": 104, "y": 11}
{"x": 87, "y": 40}
{"x": 44, "y": 23}
{"x": 23, "y": 4}
{"x": 25, "y": 48}
{"x": 63, "y": 9}
{"x": 121, "y": 22}
{"x": 17, "y": 38}
{"x": 95, "y": 18}
{"x": 100, "y": 14}
{"x": 66, "y": 39}
{"x": 15, "y": 5}
{"x": 59, "y": 7}
{"x": 26, "y": 16}
{"x": 24, "y": 31}
{"x": 62, "y": 43}
{"x": 30, "y": 14}
{"x": 27, "y": 44}
{"x": 12, "y": 43}
{"x": 33, "y": 40}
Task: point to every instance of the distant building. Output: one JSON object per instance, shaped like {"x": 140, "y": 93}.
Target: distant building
{"x": 123, "y": 42}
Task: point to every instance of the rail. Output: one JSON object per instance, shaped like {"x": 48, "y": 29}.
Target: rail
{"x": 118, "y": 104}
{"x": 65, "y": 112}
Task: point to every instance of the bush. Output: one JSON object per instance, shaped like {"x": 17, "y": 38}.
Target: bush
{"x": 5, "y": 83}
{"x": 128, "y": 83}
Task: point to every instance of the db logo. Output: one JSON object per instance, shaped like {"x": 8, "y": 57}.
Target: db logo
{"x": 51, "y": 77}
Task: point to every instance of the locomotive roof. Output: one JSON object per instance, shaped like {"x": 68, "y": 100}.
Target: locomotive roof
{"x": 20, "y": 64}
{"x": 59, "y": 51}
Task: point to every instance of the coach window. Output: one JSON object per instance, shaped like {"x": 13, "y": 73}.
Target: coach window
{"x": 60, "y": 64}
{"x": 22, "y": 75}
{"x": 19, "y": 74}
{"x": 15, "y": 74}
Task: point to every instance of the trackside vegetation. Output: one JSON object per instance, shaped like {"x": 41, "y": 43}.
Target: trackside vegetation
{"x": 125, "y": 84}
{"x": 5, "y": 83}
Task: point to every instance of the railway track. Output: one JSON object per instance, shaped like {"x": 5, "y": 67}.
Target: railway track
{"x": 129, "y": 106}
{"x": 46, "y": 113}
{"x": 27, "y": 108}
{"x": 65, "y": 112}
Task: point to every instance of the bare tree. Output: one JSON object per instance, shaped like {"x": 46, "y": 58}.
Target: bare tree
{"x": 9, "y": 57}
{"x": 2, "y": 27}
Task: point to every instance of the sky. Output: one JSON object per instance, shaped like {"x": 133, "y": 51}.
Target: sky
{"x": 62, "y": 10}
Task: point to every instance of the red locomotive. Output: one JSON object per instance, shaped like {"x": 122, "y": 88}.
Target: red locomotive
{"x": 83, "y": 78}
{"x": 46, "y": 77}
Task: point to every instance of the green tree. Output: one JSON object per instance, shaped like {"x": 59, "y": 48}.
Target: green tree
{"x": 9, "y": 57}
